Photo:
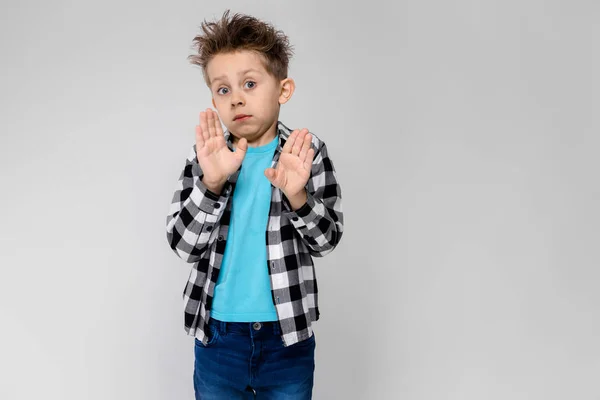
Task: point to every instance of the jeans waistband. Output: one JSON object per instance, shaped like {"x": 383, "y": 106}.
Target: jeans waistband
{"x": 246, "y": 328}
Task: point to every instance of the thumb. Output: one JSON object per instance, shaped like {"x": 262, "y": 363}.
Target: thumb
{"x": 241, "y": 148}
{"x": 271, "y": 174}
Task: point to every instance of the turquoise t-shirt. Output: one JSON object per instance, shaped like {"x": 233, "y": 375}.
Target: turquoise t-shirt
{"x": 243, "y": 289}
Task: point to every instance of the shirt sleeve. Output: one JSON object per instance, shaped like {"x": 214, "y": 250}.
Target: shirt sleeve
{"x": 194, "y": 213}
{"x": 320, "y": 221}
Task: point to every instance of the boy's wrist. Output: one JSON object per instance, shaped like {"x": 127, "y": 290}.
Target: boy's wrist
{"x": 297, "y": 200}
{"x": 215, "y": 187}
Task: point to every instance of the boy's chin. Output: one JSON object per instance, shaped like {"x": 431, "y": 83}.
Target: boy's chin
{"x": 239, "y": 132}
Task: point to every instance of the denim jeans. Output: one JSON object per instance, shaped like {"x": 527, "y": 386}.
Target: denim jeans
{"x": 247, "y": 360}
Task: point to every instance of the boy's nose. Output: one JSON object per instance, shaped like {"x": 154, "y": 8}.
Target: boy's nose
{"x": 237, "y": 99}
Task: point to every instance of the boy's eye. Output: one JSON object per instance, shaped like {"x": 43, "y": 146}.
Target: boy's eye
{"x": 219, "y": 90}
{"x": 253, "y": 84}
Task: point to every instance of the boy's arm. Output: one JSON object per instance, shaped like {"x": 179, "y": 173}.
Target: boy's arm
{"x": 320, "y": 221}
{"x": 194, "y": 213}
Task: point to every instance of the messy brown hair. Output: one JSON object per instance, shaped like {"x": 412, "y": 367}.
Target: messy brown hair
{"x": 242, "y": 32}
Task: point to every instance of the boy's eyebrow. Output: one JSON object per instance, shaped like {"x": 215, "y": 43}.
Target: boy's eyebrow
{"x": 240, "y": 73}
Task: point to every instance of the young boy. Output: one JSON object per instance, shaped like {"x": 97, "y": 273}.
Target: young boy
{"x": 252, "y": 207}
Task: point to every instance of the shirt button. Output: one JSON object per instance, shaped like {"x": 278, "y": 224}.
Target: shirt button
{"x": 295, "y": 219}
{"x": 216, "y": 205}
{"x": 221, "y": 238}
{"x": 209, "y": 228}
{"x": 257, "y": 326}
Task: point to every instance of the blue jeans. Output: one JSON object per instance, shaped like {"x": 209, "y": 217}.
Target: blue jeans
{"x": 245, "y": 360}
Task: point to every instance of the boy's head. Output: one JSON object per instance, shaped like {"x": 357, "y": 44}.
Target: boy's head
{"x": 244, "y": 62}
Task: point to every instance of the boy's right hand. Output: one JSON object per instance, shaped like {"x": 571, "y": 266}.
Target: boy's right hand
{"x": 214, "y": 157}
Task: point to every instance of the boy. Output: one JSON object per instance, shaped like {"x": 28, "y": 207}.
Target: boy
{"x": 252, "y": 207}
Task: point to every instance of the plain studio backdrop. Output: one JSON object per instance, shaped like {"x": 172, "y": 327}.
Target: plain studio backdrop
{"x": 465, "y": 135}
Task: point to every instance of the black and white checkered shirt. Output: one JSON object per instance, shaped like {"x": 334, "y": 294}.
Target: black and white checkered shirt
{"x": 197, "y": 226}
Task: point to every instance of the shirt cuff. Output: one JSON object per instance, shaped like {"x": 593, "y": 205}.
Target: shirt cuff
{"x": 302, "y": 216}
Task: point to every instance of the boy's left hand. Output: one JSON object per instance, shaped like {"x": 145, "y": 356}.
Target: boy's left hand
{"x": 295, "y": 162}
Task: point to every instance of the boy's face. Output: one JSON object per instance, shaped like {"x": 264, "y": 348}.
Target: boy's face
{"x": 240, "y": 85}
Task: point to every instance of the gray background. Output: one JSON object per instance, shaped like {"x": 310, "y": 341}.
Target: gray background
{"x": 465, "y": 136}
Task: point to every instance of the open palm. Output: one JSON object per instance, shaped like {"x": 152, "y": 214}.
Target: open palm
{"x": 293, "y": 169}
{"x": 214, "y": 157}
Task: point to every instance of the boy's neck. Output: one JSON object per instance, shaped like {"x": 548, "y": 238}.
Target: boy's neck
{"x": 262, "y": 140}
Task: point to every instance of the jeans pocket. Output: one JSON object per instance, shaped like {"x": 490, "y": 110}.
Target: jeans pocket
{"x": 213, "y": 335}
{"x": 310, "y": 341}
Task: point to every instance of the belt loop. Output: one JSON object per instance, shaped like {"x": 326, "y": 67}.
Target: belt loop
{"x": 276, "y": 330}
{"x": 223, "y": 327}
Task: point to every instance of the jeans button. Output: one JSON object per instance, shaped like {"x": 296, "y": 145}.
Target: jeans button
{"x": 257, "y": 326}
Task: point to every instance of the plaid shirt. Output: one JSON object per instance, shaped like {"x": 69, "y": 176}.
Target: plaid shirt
{"x": 197, "y": 226}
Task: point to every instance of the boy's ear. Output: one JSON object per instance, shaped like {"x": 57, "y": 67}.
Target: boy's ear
{"x": 213, "y": 101}
{"x": 287, "y": 90}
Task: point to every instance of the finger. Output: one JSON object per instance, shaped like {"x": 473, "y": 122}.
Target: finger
{"x": 305, "y": 146}
{"x": 219, "y": 129}
{"x": 199, "y": 138}
{"x": 218, "y": 126}
{"x": 289, "y": 143}
{"x": 204, "y": 125}
{"x": 310, "y": 155}
{"x": 211, "y": 123}
{"x": 299, "y": 141}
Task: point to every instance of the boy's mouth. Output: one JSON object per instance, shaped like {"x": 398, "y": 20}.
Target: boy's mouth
{"x": 241, "y": 117}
